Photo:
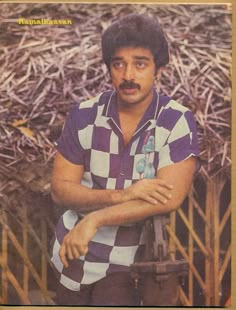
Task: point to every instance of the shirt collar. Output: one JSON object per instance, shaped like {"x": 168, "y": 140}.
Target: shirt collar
{"x": 151, "y": 113}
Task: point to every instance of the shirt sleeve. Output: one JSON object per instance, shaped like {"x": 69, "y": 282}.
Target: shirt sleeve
{"x": 68, "y": 143}
{"x": 181, "y": 143}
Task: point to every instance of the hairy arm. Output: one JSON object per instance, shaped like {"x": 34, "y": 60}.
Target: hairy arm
{"x": 67, "y": 189}
{"x": 179, "y": 174}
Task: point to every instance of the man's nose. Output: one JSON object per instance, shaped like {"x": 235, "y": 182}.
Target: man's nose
{"x": 129, "y": 73}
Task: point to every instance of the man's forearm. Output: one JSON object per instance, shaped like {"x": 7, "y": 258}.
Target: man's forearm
{"x": 82, "y": 199}
{"x": 75, "y": 196}
{"x": 181, "y": 175}
{"x": 129, "y": 212}
{"x": 67, "y": 190}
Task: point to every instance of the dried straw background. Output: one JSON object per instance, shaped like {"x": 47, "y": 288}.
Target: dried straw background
{"x": 46, "y": 69}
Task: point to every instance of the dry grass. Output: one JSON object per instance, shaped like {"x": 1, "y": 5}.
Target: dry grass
{"x": 45, "y": 69}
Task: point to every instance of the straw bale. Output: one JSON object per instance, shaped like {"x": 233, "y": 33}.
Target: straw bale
{"x": 45, "y": 69}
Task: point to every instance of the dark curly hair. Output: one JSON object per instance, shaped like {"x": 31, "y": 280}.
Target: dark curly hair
{"x": 136, "y": 30}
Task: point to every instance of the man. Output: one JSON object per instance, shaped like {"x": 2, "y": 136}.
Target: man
{"x": 123, "y": 156}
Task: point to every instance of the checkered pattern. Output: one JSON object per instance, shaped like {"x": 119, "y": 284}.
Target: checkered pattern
{"x": 92, "y": 137}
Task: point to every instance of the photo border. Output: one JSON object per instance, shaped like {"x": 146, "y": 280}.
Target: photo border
{"x": 233, "y": 169}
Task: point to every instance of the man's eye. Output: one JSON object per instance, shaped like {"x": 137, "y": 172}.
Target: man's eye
{"x": 140, "y": 65}
{"x": 117, "y": 64}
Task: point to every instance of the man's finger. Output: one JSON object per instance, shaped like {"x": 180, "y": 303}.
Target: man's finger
{"x": 76, "y": 253}
{"x": 62, "y": 254}
{"x": 163, "y": 183}
{"x": 69, "y": 251}
{"x": 148, "y": 198}
{"x": 161, "y": 191}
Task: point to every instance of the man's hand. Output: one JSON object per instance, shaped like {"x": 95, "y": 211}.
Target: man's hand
{"x": 68, "y": 191}
{"x": 149, "y": 190}
{"x": 75, "y": 243}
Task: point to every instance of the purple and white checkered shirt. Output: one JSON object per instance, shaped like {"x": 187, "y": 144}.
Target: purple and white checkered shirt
{"x": 92, "y": 137}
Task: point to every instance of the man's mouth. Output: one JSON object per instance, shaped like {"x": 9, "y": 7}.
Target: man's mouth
{"x": 129, "y": 87}
{"x": 129, "y": 90}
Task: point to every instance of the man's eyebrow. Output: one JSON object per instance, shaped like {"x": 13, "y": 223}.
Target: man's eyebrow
{"x": 135, "y": 57}
{"x": 142, "y": 58}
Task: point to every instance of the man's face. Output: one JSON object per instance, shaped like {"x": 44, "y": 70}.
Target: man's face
{"x": 133, "y": 75}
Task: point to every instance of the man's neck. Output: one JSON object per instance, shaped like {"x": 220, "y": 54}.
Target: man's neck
{"x": 130, "y": 116}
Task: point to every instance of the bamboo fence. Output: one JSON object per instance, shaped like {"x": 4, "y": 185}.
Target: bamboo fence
{"x": 209, "y": 275}
{"x": 44, "y": 70}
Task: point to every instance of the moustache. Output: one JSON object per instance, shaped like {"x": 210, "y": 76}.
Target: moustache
{"x": 129, "y": 84}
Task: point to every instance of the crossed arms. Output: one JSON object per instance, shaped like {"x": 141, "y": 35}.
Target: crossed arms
{"x": 145, "y": 198}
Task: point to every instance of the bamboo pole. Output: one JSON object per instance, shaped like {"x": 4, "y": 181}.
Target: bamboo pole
{"x": 225, "y": 263}
{"x": 23, "y": 296}
{"x": 197, "y": 207}
{"x": 219, "y": 183}
{"x": 10, "y": 276}
{"x": 27, "y": 261}
{"x": 203, "y": 248}
{"x": 216, "y": 242}
{"x": 208, "y": 237}
{"x": 214, "y": 189}
{"x": 185, "y": 255}
{"x": 225, "y": 218}
{"x": 184, "y": 299}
